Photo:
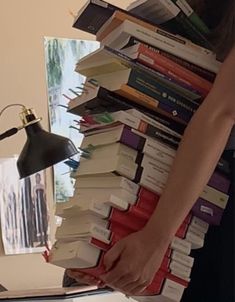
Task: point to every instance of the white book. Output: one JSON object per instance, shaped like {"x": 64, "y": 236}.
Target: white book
{"x": 74, "y": 223}
{"x": 171, "y": 292}
{"x": 119, "y": 116}
{"x": 181, "y": 245}
{"x": 196, "y": 232}
{"x": 164, "y": 10}
{"x": 215, "y": 196}
{"x": 101, "y": 210}
{"x": 104, "y": 151}
{"x": 103, "y": 194}
{"x": 152, "y": 147}
{"x": 112, "y": 135}
{"x": 196, "y": 241}
{"x": 120, "y": 164}
{"x": 153, "y": 163}
{"x": 182, "y": 270}
{"x": 90, "y": 94}
{"x": 153, "y": 178}
{"x": 179, "y": 47}
{"x": 151, "y": 121}
{"x": 183, "y": 259}
{"x": 82, "y": 232}
{"x": 158, "y": 151}
{"x": 153, "y": 183}
{"x": 76, "y": 254}
{"x": 199, "y": 224}
{"x": 111, "y": 200}
{"x": 108, "y": 181}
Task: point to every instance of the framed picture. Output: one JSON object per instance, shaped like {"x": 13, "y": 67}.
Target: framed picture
{"x": 23, "y": 210}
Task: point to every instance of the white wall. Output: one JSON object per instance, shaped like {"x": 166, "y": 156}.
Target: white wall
{"x": 23, "y": 24}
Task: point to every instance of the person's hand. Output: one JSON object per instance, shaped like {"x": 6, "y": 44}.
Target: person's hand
{"x": 133, "y": 262}
{"x": 82, "y": 278}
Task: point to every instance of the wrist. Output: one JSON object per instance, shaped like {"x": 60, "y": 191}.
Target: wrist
{"x": 157, "y": 237}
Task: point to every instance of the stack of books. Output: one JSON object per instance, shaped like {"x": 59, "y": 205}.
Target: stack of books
{"x": 143, "y": 86}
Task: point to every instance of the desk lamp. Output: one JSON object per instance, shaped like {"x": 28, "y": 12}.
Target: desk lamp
{"x": 42, "y": 149}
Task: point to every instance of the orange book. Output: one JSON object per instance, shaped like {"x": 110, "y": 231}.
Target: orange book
{"x": 117, "y": 18}
{"x": 144, "y": 100}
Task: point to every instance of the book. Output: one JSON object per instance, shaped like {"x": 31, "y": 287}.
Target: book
{"x": 101, "y": 100}
{"x": 166, "y": 41}
{"x": 76, "y": 254}
{"x": 207, "y": 211}
{"x": 171, "y": 291}
{"x": 206, "y": 74}
{"x": 108, "y": 181}
{"x": 103, "y": 122}
{"x": 115, "y": 149}
{"x": 100, "y": 194}
{"x": 171, "y": 17}
{"x": 95, "y": 13}
{"x": 192, "y": 15}
{"x": 134, "y": 139}
{"x": 147, "y": 55}
{"x": 100, "y": 206}
{"x": 119, "y": 164}
{"x": 167, "y": 101}
{"x": 107, "y": 60}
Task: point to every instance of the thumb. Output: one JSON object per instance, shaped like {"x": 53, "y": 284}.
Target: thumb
{"x": 113, "y": 255}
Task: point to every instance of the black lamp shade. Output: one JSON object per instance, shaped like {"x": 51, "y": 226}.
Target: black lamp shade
{"x": 42, "y": 150}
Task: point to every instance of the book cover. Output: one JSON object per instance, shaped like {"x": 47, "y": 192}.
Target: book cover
{"x": 171, "y": 17}
{"x": 107, "y": 60}
{"x": 147, "y": 55}
{"x": 108, "y": 181}
{"x": 166, "y": 41}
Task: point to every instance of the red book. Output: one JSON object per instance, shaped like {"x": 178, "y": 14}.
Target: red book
{"x": 147, "y": 56}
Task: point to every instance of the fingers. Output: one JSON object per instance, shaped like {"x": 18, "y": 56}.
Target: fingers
{"x": 113, "y": 255}
{"x": 80, "y": 277}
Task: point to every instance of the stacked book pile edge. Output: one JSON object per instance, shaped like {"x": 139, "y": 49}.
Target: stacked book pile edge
{"x": 142, "y": 87}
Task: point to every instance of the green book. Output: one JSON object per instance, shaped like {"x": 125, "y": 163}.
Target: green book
{"x": 171, "y": 17}
{"x": 193, "y": 17}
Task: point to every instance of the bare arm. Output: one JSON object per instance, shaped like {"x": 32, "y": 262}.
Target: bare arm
{"x": 141, "y": 253}
{"x": 202, "y": 145}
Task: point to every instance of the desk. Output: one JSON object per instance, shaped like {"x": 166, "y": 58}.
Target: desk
{"x": 79, "y": 294}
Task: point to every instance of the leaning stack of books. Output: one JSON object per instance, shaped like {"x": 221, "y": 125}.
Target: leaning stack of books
{"x": 143, "y": 86}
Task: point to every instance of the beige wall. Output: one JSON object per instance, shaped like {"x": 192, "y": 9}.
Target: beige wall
{"x": 23, "y": 24}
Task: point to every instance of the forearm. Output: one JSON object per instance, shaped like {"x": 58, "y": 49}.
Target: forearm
{"x": 201, "y": 147}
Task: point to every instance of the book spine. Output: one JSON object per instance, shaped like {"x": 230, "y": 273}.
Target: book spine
{"x": 196, "y": 241}
{"x": 199, "y": 224}
{"x": 159, "y": 134}
{"x": 171, "y": 69}
{"x": 202, "y": 72}
{"x": 180, "y": 107}
{"x": 93, "y": 16}
{"x": 156, "y": 150}
{"x": 194, "y": 18}
{"x": 192, "y": 31}
{"x": 207, "y": 212}
{"x": 181, "y": 245}
{"x": 172, "y": 290}
{"x": 214, "y": 196}
{"x": 183, "y": 259}
{"x": 183, "y": 270}
{"x": 127, "y": 104}
{"x": 173, "y": 44}
{"x": 219, "y": 182}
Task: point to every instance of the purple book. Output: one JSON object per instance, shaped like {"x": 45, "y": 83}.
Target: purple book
{"x": 219, "y": 182}
{"x": 207, "y": 211}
